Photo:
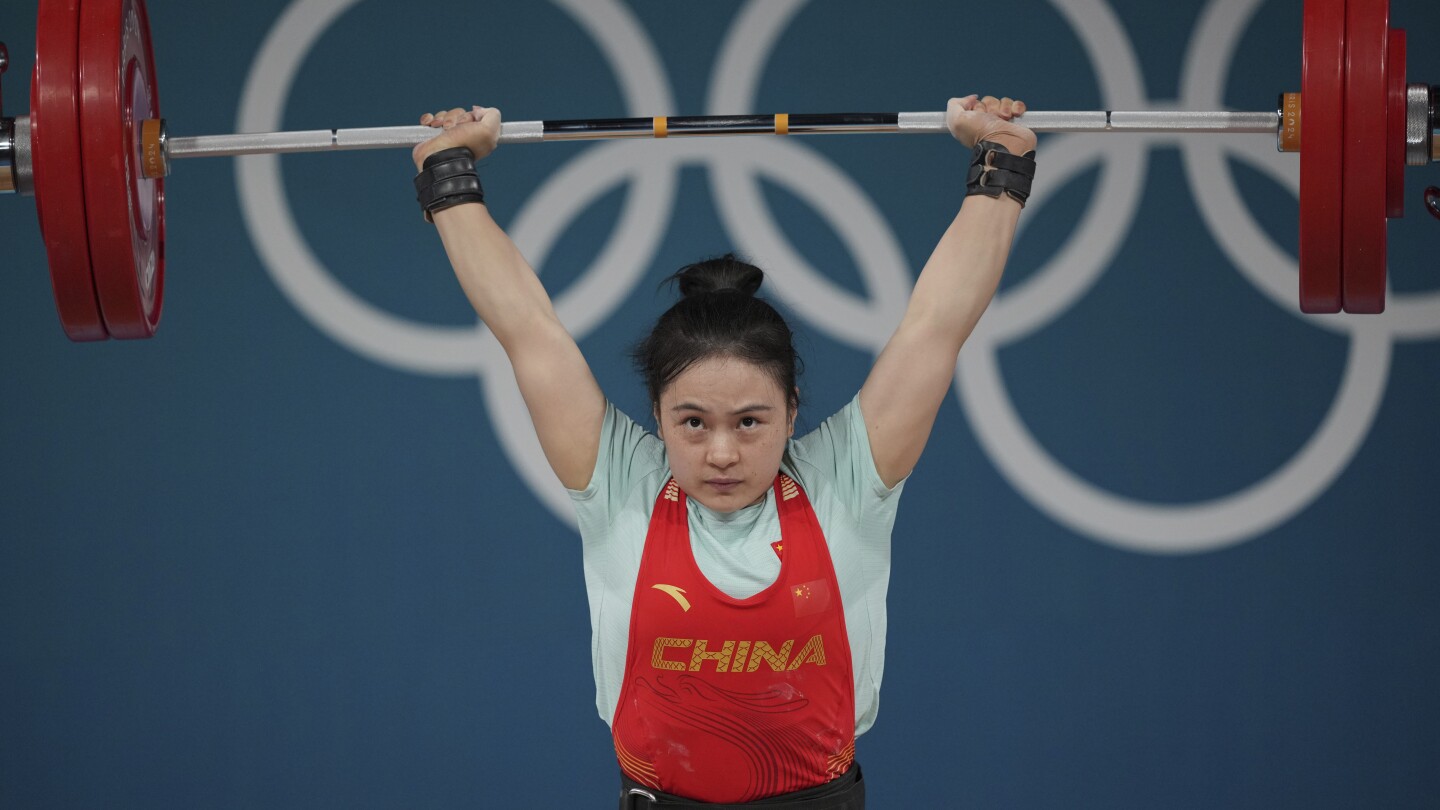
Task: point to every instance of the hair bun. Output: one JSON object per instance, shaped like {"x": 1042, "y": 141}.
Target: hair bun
{"x": 719, "y": 274}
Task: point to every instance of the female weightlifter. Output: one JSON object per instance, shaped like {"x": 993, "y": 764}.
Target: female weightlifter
{"x": 736, "y": 574}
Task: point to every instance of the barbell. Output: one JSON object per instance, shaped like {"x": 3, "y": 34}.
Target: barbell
{"x": 94, "y": 152}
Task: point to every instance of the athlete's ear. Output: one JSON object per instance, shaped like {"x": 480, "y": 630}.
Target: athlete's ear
{"x": 794, "y": 407}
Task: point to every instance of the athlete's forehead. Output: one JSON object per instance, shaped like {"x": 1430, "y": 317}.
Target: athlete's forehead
{"x": 687, "y": 406}
{"x": 723, "y": 385}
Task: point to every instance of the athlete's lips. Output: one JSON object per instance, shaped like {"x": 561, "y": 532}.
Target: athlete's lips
{"x": 723, "y": 484}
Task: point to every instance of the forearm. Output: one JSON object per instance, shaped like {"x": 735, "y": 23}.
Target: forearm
{"x": 963, "y": 271}
{"x": 500, "y": 284}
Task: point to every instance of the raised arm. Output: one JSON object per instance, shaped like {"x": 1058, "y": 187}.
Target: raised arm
{"x": 912, "y": 375}
{"x": 564, "y": 400}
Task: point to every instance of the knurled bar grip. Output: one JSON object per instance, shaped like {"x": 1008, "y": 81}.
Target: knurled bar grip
{"x": 324, "y": 140}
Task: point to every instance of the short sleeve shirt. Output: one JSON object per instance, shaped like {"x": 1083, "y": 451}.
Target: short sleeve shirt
{"x": 855, "y": 509}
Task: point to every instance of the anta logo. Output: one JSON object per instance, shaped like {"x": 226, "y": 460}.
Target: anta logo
{"x": 678, "y": 593}
{"x": 735, "y": 656}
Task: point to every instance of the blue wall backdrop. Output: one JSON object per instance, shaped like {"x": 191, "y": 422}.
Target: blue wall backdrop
{"x": 1173, "y": 544}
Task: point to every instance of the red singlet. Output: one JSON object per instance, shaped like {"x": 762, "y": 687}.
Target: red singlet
{"x": 732, "y": 700}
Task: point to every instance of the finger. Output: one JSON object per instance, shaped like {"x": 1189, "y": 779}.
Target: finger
{"x": 992, "y": 104}
{"x": 426, "y": 119}
{"x": 1020, "y": 107}
{"x": 964, "y": 103}
{"x": 1007, "y": 108}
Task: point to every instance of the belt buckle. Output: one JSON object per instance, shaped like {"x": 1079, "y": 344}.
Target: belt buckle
{"x": 633, "y": 796}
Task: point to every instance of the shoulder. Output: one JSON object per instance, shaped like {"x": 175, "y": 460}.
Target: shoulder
{"x": 837, "y": 436}
{"x": 836, "y": 457}
{"x": 629, "y": 458}
{"x": 625, "y": 435}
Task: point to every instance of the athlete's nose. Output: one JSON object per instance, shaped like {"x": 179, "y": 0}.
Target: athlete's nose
{"x": 722, "y": 452}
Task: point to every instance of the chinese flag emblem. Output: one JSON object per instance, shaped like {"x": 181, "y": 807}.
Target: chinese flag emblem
{"x": 810, "y": 597}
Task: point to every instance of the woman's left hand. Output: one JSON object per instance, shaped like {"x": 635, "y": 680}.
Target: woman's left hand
{"x": 476, "y": 129}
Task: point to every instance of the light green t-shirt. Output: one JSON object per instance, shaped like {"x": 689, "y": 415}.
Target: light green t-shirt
{"x": 856, "y": 512}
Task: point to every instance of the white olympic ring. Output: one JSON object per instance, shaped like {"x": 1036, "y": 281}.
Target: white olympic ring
{"x": 862, "y": 322}
{"x": 1170, "y": 529}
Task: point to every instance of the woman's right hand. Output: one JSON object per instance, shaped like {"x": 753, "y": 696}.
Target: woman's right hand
{"x": 973, "y": 119}
{"x": 477, "y": 129}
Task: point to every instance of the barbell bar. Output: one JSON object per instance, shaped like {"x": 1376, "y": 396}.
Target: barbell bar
{"x": 325, "y": 140}
{"x": 95, "y": 152}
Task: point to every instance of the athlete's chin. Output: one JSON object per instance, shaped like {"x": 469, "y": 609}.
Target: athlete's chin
{"x": 727, "y": 497}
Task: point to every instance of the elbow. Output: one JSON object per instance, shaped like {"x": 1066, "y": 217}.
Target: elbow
{"x": 936, "y": 330}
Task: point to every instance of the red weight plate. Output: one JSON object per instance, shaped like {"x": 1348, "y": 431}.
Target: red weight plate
{"x": 1322, "y": 91}
{"x": 1395, "y": 130}
{"x": 1367, "y": 35}
{"x": 125, "y": 210}
{"x": 59, "y": 181}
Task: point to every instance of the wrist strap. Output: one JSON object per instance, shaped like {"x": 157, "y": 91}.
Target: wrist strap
{"x": 994, "y": 169}
{"x": 446, "y": 180}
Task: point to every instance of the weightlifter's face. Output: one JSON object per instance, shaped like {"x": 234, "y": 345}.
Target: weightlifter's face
{"x": 725, "y": 423}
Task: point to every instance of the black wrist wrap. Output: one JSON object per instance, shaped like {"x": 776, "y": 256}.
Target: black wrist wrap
{"x": 993, "y": 170}
{"x": 448, "y": 179}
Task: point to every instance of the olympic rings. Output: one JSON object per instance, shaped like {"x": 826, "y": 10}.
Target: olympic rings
{"x": 861, "y": 321}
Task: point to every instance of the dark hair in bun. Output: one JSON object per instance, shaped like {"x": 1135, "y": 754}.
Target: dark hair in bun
{"x": 718, "y": 275}
{"x": 718, "y": 315}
